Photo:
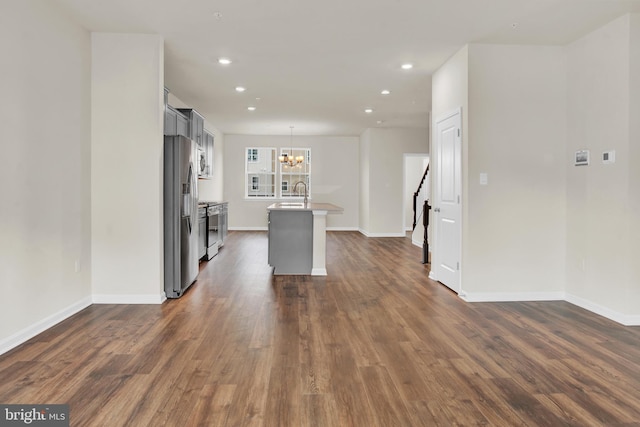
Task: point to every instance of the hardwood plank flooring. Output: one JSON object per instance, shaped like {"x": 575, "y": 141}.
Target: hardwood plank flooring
{"x": 374, "y": 343}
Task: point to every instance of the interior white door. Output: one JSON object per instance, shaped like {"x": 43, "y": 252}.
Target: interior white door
{"x": 446, "y": 207}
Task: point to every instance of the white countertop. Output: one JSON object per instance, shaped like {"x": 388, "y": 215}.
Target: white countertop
{"x": 300, "y": 206}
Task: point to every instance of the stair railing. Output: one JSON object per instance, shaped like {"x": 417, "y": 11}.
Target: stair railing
{"x": 415, "y": 197}
{"x": 425, "y": 217}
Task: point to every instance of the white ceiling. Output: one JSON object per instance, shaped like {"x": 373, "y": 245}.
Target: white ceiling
{"x": 317, "y": 65}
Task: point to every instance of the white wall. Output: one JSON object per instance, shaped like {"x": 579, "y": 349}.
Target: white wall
{"x": 211, "y": 189}
{"x": 386, "y": 148}
{"x": 602, "y": 200}
{"x": 450, "y": 92}
{"x": 334, "y": 178}
{"x": 364, "y": 199}
{"x": 126, "y": 167}
{"x": 543, "y": 227}
{"x": 634, "y": 171}
{"x": 514, "y": 229}
{"x": 44, "y": 169}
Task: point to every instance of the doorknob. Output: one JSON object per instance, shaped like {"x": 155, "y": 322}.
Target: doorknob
{"x": 436, "y": 210}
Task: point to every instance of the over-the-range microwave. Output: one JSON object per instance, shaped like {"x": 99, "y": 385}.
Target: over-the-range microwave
{"x": 202, "y": 162}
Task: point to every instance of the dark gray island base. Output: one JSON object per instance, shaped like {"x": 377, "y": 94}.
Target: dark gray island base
{"x": 297, "y": 237}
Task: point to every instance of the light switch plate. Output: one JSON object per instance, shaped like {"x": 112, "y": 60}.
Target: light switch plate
{"x": 484, "y": 178}
{"x": 609, "y": 157}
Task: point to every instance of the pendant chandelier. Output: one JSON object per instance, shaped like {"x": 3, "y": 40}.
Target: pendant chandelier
{"x": 289, "y": 159}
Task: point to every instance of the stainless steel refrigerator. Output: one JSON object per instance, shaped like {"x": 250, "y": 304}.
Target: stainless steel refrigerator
{"x": 180, "y": 214}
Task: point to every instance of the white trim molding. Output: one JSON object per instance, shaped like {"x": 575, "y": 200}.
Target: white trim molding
{"x": 511, "y": 296}
{"x": 130, "y": 299}
{"x": 342, "y": 229}
{"x": 248, "y": 228}
{"x": 623, "y": 319}
{"x": 367, "y": 234}
{"x": 29, "y": 332}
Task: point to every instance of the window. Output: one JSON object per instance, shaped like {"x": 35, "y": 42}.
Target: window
{"x": 260, "y": 173}
{"x": 293, "y": 175}
{"x": 263, "y": 173}
{"x": 252, "y": 155}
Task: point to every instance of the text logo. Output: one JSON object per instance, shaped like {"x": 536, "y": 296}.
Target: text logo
{"x": 34, "y": 415}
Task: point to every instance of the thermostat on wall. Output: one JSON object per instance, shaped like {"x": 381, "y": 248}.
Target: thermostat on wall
{"x": 609, "y": 157}
{"x": 582, "y": 158}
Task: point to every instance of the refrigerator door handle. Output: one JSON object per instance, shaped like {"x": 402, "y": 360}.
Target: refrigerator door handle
{"x": 187, "y": 194}
{"x": 193, "y": 199}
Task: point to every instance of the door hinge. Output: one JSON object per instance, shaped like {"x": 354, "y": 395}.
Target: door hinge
{"x": 458, "y": 132}
{"x": 458, "y": 199}
{"x": 458, "y": 266}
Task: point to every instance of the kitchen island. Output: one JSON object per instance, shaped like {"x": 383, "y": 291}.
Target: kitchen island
{"x": 297, "y": 237}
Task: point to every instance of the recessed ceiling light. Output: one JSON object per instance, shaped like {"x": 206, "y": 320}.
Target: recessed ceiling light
{"x": 379, "y": 122}
{"x": 217, "y": 15}
{"x": 385, "y": 92}
{"x": 240, "y": 89}
{"x": 251, "y": 108}
{"x": 407, "y": 66}
{"x": 369, "y": 110}
{"x": 224, "y": 61}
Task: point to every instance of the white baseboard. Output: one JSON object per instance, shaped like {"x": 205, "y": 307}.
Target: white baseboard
{"x": 248, "y": 228}
{"x": 417, "y": 242}
{"x": 42, "y": 325}
{"x": 511, "y": 296}
{"x": 343, "y": 229}
{"x": 367, "y": 234}
{"x": 318, "y": 271}
{"x": 623, "y": 319}
{"x": 130, "y": 299}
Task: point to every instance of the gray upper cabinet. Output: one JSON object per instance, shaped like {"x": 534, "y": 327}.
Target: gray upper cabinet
{"x": 175, "y": 123}
{"x": 182, "y": 124}
{"x": 208, "y": 148}
{"x": 196, "y": 125}
{"x": 170, "y": 118}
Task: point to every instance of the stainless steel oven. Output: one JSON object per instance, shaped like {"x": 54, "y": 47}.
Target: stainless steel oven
{"x": 202, "y": 231}
{"x": 214, "y": 235}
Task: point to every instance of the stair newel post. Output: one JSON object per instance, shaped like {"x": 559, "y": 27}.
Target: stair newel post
{"x": 425, "y": 242}
{"x": 415, "y": 198}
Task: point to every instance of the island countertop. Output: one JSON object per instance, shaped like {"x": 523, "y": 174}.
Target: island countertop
{"x": 300, "y": 206}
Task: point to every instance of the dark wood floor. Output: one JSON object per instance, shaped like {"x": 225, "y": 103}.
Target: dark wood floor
{"x": 375, "y": 343}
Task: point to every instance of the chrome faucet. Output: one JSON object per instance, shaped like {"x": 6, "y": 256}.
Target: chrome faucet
{"x": 306, "y": 196}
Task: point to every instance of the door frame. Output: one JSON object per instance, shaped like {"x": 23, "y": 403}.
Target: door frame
{"x": 435, "y": 166}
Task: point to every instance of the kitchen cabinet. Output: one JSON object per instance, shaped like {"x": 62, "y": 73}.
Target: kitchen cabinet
{"x": 196, "y": 125}
{"x": 175, "y": 123}
{"x": 208, "y": 149}
{"x": 297, "y": 237}
{"x": 290, "y": 241}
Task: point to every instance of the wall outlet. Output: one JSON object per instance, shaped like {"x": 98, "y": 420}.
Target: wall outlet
{"x": 78, "y": 267}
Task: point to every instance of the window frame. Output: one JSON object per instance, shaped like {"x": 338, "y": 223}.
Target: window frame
{"x": 254, "y": 173}
{"x": 306, "y": 153}
{"x": 281, "y": 182}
